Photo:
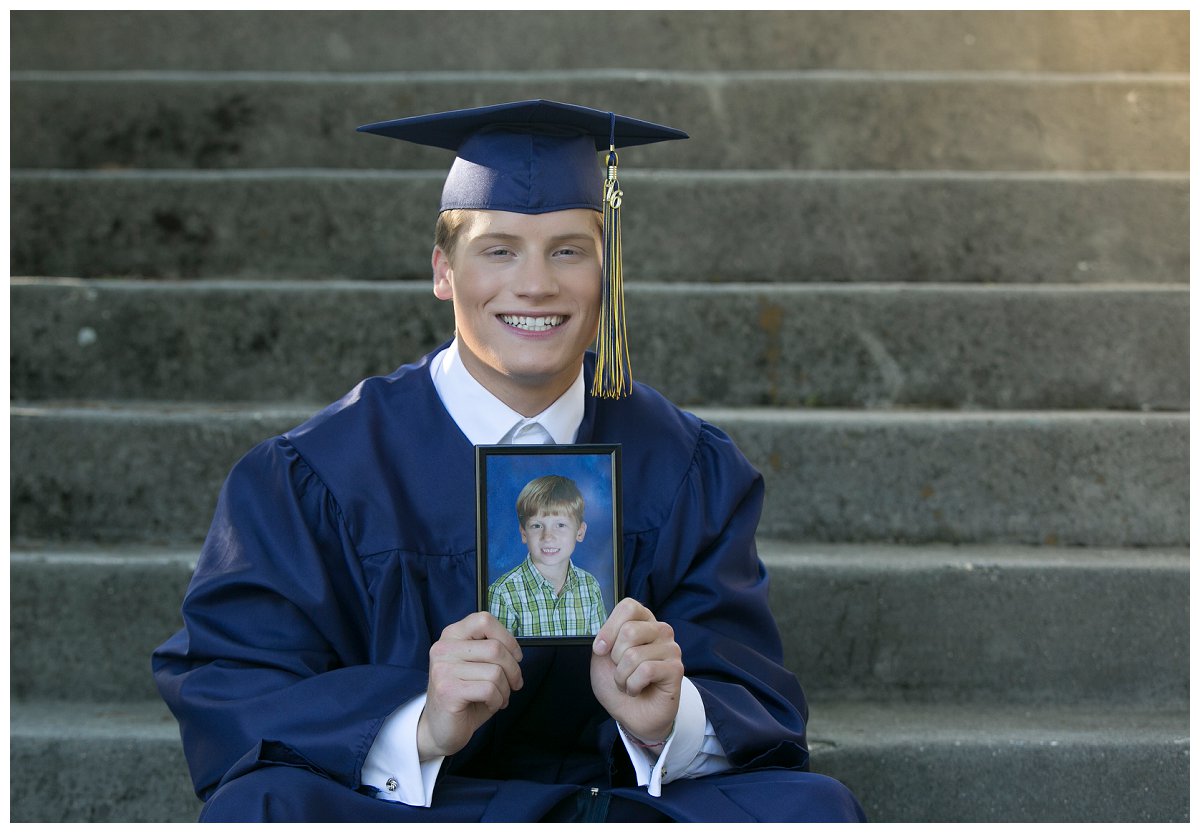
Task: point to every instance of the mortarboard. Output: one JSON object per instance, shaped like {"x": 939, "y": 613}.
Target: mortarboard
{"x": 532, "y": 157}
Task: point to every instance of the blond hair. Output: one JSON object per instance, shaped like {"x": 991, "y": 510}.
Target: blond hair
{"x": 449, "y": 224}
{"x": 550, "y": 494}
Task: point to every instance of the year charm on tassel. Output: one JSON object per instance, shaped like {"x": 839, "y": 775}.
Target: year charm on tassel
{"x": 612, "y": 191}
{"x": 614, "y": 377}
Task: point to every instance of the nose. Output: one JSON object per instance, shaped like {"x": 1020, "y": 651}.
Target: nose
{"x": 536, "y": 279}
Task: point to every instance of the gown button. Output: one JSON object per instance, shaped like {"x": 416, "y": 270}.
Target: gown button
{"x": 391, "y": 784}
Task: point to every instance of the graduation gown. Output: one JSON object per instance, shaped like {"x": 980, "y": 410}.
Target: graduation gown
{"x": 341, "y": 549}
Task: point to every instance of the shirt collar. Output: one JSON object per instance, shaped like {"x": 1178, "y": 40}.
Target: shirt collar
{"x": 484, "y": 419}
{"x": 534, "y": 576}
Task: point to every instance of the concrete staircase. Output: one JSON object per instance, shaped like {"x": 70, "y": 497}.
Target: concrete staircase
{"x": 929, "y": 269}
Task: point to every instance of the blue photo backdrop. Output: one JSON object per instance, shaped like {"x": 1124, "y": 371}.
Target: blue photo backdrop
{"x": 507, "y": 474}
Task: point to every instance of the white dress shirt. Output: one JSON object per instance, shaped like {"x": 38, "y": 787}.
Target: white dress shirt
{"x": 393, "y": 766}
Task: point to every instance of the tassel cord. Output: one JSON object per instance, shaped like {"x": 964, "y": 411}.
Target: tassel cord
{"x": 613, "y": 377}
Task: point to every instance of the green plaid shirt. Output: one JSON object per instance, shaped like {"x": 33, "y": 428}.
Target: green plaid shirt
{"x": 527, "y": 605}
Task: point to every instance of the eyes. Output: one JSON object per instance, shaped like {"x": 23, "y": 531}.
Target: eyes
{"x": 567, "y": 253}
{"x": 538, "y": 525}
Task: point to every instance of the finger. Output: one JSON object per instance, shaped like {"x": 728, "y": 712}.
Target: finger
{"x": 636, "y": 633}
{"x": 483, "y": 625}
{"x": 458, "y": 696}
{"x": 489, "y": 653}
{"x": 662, "y": 673}
{"x": 467, "y": 671}
{"x": 456, "y": 684}
{"x": 627, "y": 610}
{"x": 626, "y": 673}
{"x": 478, "y": 682}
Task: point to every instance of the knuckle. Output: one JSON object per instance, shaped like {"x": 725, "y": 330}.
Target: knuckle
{"x": 439, "y": 689}
{"x": 495, "y": 654}
{"x": 633, "y": 656}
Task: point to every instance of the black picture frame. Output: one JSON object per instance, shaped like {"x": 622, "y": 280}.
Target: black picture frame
{"x": 501, "y": 473}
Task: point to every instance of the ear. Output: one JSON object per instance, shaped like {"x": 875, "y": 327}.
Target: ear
{"x": 443, "y": 275}
{"x": 582, "y": 531}
{"x": 524, "y": 537}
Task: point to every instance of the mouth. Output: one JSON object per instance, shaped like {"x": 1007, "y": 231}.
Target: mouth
{"x": 533, "y": 324}
{"x": 551, "y": 550}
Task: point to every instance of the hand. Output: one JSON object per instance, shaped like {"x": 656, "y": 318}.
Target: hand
{"x": 473, "y": 668}
{"x": 637, "y": 671}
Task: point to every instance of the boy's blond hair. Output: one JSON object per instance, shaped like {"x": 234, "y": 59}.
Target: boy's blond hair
{"x": 550, "y": 494}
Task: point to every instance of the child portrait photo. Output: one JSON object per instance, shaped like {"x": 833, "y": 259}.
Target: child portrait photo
{"x": 549, "y": 554}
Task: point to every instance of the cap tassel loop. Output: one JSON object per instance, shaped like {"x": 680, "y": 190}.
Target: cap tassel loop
{"x": 614, "y": 377}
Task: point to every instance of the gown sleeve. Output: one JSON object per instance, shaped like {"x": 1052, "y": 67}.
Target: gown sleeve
{"x": 272, "y": 665}
{"x": 708, "y": 583}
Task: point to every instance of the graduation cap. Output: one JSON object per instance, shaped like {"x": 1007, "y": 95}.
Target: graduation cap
{"x": 533, "y": 157}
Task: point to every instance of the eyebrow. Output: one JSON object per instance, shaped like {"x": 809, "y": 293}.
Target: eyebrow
{"x": 504, "y": 237}
{"x": 495, "y": 235}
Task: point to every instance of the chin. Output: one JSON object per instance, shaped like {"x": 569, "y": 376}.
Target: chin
{"x": 533, "y": 377}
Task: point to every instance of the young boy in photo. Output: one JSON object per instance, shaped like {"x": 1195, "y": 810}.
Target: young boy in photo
{"x": 547, "y": 594}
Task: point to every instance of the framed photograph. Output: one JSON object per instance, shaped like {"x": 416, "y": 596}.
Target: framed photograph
{"x": 548, "y": 532}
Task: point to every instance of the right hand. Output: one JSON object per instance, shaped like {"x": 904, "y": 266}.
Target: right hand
{"x": 473, "y": 668}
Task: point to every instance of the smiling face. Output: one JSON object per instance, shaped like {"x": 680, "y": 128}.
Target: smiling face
{"x": 551, "y": 538}
{"x": 526, "y": 294}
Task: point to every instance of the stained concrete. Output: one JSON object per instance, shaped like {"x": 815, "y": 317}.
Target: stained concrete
{"x": 877, "y": 346}
{"x": 774, "y": 227}
{"x": 847, "y": 121}
{"x": 952, "y": 625}
{"x": 355, "y": 41}
{"x": 151, "y": 474}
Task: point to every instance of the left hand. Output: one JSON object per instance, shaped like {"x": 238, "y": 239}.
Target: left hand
{"x": 637, "y": 671}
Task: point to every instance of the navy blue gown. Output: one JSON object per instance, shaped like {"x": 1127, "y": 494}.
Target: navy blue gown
{"x": 341, "y": 549}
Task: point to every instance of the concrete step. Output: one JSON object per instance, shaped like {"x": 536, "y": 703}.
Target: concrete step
{"x": 1012, "y": 347}
{"x": 84, "y": 620}
{"x": 737, "y": 120}
{"x": 97, "y": 762}
{"x": 775, "y": 226}
{"x": 946, "y": 624}
{"x": 1043, "y": 478}
{"x": 860, "y": 622}
{"x": 345, "y": 40}
{"x": 944, "y": 763}
{"x": 122, "y": 762}
{"x": 1048, "y": 478}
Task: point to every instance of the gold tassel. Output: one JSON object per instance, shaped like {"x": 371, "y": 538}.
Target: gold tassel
{"x": 614, "y": 377}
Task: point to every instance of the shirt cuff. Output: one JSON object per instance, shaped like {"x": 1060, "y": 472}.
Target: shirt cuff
{"x": 681, "y": 747}
{"x": 394, "y": 767}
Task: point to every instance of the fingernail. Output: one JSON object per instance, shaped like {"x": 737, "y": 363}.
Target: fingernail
{"x": 599, "y": 646}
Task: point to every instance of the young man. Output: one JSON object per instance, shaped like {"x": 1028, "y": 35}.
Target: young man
{"x": 332, "y": 667}
{"x": 547, "y": 594}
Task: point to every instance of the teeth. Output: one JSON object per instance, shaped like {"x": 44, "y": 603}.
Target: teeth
{"x": 533, "y": 325}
